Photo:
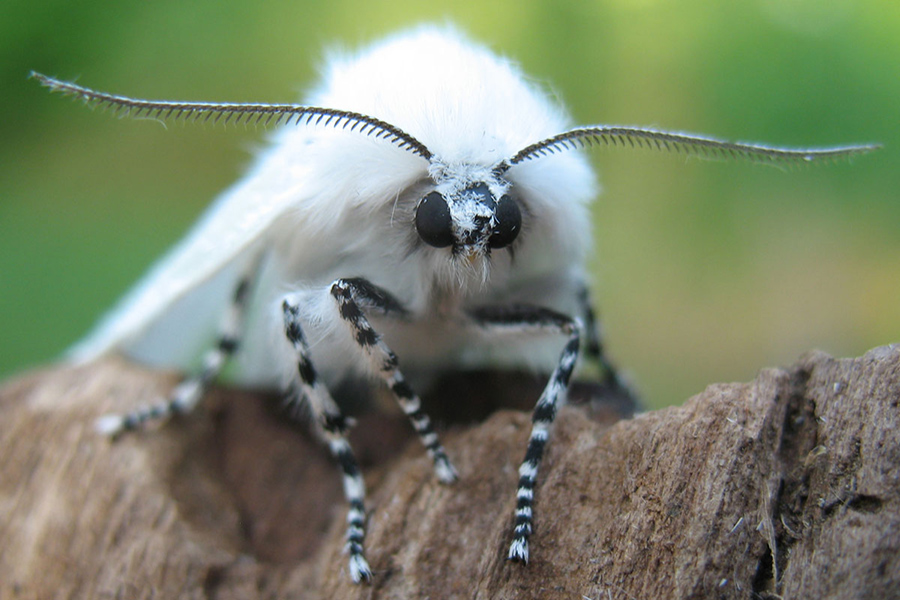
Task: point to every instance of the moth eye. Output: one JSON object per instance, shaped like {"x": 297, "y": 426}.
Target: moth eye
{"x": 433, "y": 221}
{"x": 509, "y": 222}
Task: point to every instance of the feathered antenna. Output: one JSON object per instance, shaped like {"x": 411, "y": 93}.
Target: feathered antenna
{"x": 276, "y": 114}
{"x": 253, "y": 114}
{"x": 686, "y": 143}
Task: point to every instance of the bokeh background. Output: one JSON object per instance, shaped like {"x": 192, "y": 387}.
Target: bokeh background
{"x": 704, "y": 271}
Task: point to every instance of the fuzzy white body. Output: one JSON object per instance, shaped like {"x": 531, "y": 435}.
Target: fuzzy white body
{"x": 324, "y": 203}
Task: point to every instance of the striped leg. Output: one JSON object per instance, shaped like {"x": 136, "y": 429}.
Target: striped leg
{"x": 351, "y": 295}
{"x": 334, "y": 426}
{"x": 523, "y": 319}
{"x": 188, "y": 393}
{"x": 612, "y": 381}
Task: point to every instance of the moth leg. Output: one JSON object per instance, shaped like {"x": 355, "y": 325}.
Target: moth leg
{"x": 351, "y": 294}
{"x": 612, "y": 381}
{"x": 334, "y": 426}
{"x": 188, "y": 393}
{"x": 521, "y": 319}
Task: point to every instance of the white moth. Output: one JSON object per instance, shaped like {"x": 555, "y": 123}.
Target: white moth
{"x": 425, "y": 204}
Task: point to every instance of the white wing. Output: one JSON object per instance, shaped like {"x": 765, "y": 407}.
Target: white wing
{"x": 288, "y": 222}
{"x": 206, "y": 266}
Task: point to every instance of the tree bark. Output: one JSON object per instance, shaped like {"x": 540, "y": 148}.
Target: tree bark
{"x": 787, "y": 486}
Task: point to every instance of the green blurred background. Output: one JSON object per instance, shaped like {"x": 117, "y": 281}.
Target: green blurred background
{"x": 704, "y": 271}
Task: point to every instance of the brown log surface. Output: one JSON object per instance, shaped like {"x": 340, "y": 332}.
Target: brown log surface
{"x": 787, "y": 486}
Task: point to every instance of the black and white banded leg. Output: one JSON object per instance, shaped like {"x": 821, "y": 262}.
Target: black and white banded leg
{"x": 354, "y": 294}
{"x": 523, "y": 319}
{"x": 612, "y": 381}
{"x": 188, "y": 393}
{"x": 334, "y": 426}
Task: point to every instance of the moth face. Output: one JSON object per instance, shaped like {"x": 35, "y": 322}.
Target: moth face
{"x": 471, "y": 219}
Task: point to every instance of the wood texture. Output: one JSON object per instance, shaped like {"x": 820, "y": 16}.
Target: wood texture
{"x": 787, "y": 486}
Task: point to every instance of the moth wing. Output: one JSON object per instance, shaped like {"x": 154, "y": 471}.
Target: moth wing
{"x": 174, "y": 312}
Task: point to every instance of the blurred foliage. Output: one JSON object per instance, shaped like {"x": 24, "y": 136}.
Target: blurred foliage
{"x": 704, "y": 271}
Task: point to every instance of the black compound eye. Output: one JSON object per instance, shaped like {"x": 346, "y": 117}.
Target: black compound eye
{"x": 433, "y": 221}
{"x": 509, "y": 222}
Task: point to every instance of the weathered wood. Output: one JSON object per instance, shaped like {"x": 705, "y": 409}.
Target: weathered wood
{"x": 785, "y": 486}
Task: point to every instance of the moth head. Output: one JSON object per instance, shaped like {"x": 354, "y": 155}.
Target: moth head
{"x": 469, "y": 211}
